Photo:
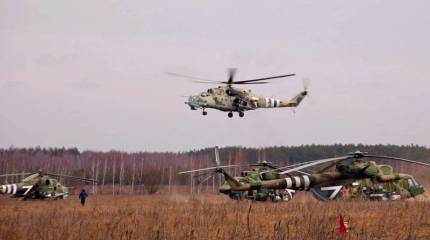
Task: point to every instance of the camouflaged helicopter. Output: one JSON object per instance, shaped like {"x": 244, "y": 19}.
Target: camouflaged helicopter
{"x": 260, "y": 171}
{"x": 38, "y": 185}
{"x": 357, "y": 179}
{"x": 231, "y": 99}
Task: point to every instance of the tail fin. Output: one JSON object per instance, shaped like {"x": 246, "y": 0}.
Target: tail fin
{"x": 217, "y": 162}
{"x": 228, "y": 178}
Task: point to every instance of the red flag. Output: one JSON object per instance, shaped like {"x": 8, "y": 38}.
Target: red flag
{"x": 342, "y": 228}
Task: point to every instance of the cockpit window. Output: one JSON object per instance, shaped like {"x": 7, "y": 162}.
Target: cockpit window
{"x": 210, "y": 91}
{"x": 204, "y": 94}
{"x": 411, "y": 182}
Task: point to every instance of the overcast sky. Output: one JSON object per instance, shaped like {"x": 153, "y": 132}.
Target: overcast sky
{"x": 90, "y": 73}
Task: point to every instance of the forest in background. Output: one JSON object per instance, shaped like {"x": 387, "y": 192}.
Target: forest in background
{"x": 145, "y": 172}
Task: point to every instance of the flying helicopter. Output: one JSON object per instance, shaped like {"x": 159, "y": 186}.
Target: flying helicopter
{"x": 353, "y": 178}
{"x": 231, "y": 99}
{"x": 39, "y": 185}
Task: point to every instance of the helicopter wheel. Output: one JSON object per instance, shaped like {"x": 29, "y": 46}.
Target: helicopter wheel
{"x": 241, "y": 114}
{"x": 204, "y": 113}
{"x": 230, "y": 115}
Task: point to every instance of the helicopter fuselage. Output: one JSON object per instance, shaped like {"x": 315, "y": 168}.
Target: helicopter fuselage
{"x": 230, "y": 99}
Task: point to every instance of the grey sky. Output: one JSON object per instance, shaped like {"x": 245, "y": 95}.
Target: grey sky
{"x": 90, "y": 73}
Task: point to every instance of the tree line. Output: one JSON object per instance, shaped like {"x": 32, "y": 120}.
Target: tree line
{"x": 119, "y": 172}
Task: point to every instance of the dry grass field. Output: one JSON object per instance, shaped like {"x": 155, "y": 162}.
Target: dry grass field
{"x": 181, "y": 216}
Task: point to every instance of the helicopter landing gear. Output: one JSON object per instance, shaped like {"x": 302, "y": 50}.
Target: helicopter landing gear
{"x": 204, "y": 113}
{"x": 230, "y": 115}
{"x": 241, "y": 114}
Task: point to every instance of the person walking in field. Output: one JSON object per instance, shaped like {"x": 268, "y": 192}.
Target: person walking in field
{"x": 83, "y": 196}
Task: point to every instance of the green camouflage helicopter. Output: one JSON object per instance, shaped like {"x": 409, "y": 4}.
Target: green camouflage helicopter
{"x": 230, "y": 99}
{"x": 39, "y": 185}
{"x": 260, "y": 171}
{"x": 358, "y": 179}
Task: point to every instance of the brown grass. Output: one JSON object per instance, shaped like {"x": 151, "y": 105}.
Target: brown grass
{"x": 180, "y": 216}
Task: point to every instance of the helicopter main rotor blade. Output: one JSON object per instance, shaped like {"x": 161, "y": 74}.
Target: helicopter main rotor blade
{"x": 316, "y": 163}
{"x": 266, "y": 78}
{"x": 14, "y": 174}
{"x": 205, "y": 179}
{"x": 190, "y": 77}
{"x": 210, "y": 168}
{"x": 72, "y": 177}
{"x": 243, "y": 83}
{"x": 231, "y": 73}
{"x": 397, "y": 159}
{"x": 210, "y": 82}
{"x": 289, "y": 166}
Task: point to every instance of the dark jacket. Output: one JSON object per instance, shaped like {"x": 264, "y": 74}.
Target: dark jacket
{"x": 83, "y": 195}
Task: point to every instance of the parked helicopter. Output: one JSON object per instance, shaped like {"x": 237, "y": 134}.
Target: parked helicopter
{"x": 357, "y": 179}
{"x": 230, "y": 99}
{"x": 260, "y": 171}
{"x": 39, "y": 185}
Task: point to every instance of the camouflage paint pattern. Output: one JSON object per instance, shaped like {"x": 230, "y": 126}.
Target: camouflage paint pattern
{"x": 360, "y": 179}
{"x": 36, "y": 186}
{"x": 230, "y": 99}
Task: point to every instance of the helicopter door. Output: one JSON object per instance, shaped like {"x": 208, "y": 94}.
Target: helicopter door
{"x": 326, "y": 193}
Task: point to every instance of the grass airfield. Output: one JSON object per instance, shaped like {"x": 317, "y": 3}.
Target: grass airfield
{"x": 210, "y": 216}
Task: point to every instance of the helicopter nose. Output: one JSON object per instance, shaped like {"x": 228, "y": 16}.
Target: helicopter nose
{"x": 8, "y": 189}
{"x": 193, "y": 102}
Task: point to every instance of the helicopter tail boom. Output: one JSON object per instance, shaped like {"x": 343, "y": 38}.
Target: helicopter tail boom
{"x": 295, "y": 101}
{"x": 276, "y": 103}
{"x": 9, "y": 189}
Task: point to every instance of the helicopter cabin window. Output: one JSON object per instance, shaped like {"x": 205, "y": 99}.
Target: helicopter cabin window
{"x": 411, "y": 183}
{"x": 204, "y": 94}
{"x": 210, "y": 91}
{"x": 47, "y": 182}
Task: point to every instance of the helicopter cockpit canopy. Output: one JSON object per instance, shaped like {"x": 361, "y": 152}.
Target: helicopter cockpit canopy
{"x": 412, "y": 182}
{"x": 204, "y": 94}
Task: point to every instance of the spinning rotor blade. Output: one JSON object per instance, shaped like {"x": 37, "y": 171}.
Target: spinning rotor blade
{"x": 209, "y": 82}
{"x": 72, "y": 177}
{"x": 231, "y": 73}
{"x": 250, "y": 83}
{"x": 306, "y": 83}
{"x": 266, "y": 78}
{"x": 230, "y": 81}
{"x": 204, "y": 80}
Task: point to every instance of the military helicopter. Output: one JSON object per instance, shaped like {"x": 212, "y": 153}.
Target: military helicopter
{"x": 39, "y": 185}
{"x": 358, "y": 179}
{"x": 231, "y": 99}
{"x": 260, "y": 171}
